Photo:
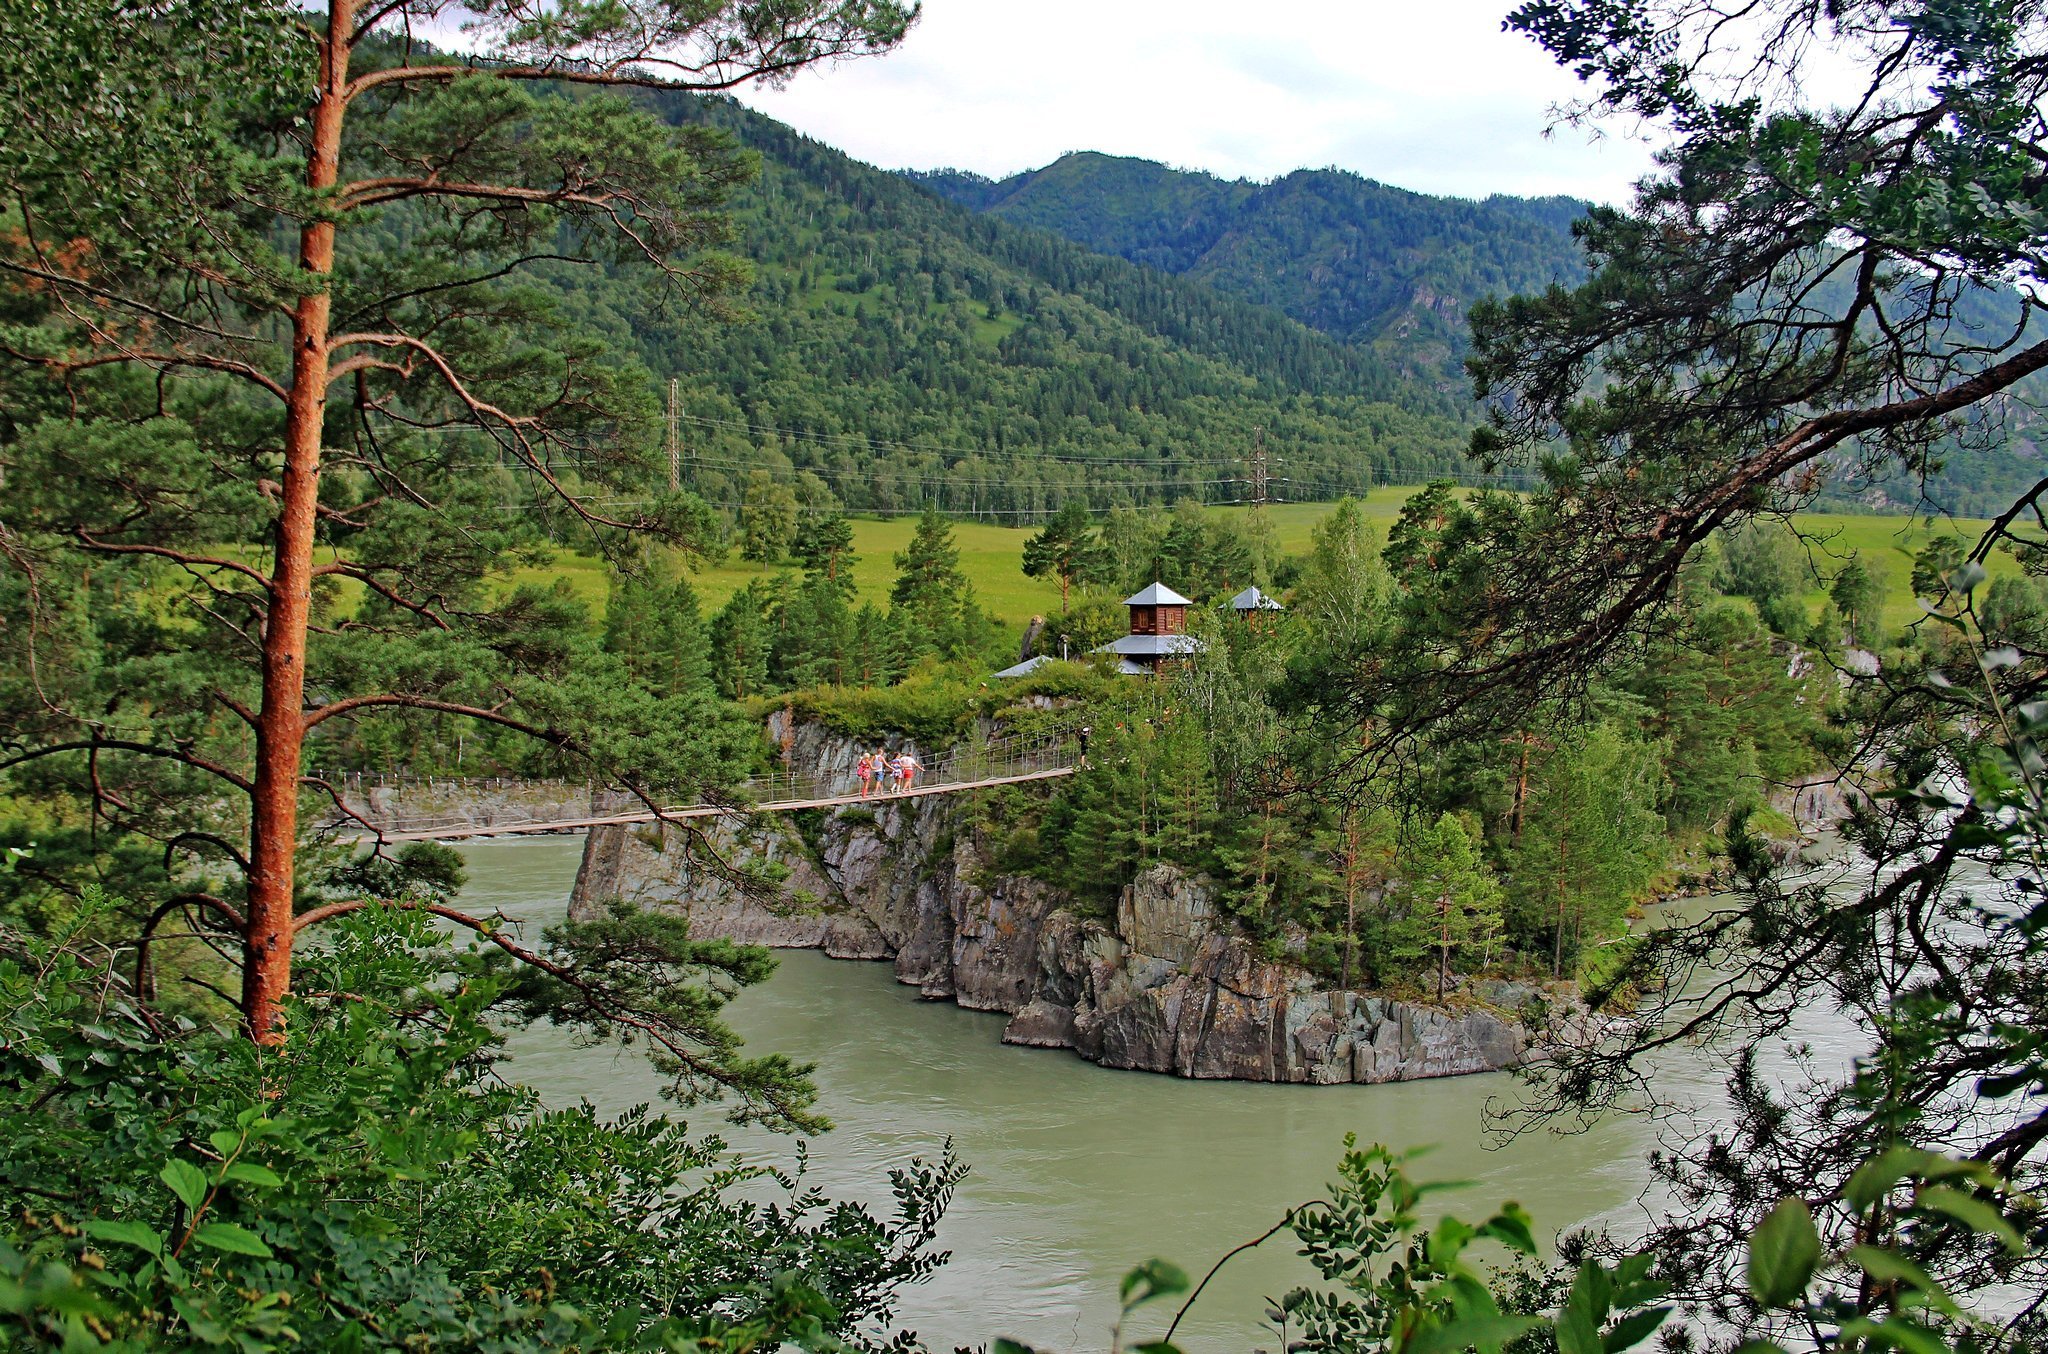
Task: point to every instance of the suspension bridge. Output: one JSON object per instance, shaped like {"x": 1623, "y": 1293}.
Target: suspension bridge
{"x": 1012, "y": 761}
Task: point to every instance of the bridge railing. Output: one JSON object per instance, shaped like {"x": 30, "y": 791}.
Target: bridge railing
{"x": 978, "y": 760}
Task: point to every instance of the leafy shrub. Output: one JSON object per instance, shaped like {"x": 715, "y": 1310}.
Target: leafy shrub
{"x": 373, "y": 1183}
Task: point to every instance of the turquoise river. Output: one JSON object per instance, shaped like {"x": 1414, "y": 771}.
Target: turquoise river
{"x": 1077, "y": 1172}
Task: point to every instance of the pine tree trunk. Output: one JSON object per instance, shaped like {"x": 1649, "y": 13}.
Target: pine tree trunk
{"x": 281, "y": 731}
{"x": 1443, "y": 952}
{"x": 1557, "y": 942}
{"x": 1350, "y": 898}
{"x": 1521, "y": 791}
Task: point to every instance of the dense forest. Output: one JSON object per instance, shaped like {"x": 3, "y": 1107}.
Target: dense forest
{"x": 1395, "y": 273}
{"x": 319, "y": 349}
{"x": 902, "y": 350}
{"x": 1367, "y": 263}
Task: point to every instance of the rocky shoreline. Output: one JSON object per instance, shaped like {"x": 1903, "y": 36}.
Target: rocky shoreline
{"x": 1164, "y": 985}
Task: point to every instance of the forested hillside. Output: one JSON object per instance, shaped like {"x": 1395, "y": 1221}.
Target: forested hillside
{"x": 1001, "y": 370}
{"x": 1394, "y": 273}
{"x": 900, "y": 349}
{"x": 1373, "y": 265}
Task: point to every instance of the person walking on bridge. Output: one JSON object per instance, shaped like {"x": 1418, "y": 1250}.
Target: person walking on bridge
{"x": 907, "y": 768}
{"x": 864, "y": 772}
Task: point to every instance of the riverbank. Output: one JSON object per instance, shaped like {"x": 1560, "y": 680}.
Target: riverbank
{"x": 1166, "y": 982}
{"x": 1077, "y": 1172}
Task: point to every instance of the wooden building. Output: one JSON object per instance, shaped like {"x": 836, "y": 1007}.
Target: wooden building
{"x": 1159, "y": 631}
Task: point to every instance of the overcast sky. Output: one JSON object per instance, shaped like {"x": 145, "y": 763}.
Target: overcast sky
{"x": 1424, "y": 94}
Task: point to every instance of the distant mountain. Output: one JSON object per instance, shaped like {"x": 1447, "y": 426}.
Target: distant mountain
{"x": 946, "y": 340}
{"x": 1377, "y": 267}
{"x": 903, "y": 348}
{"x": 1393, "y": 273}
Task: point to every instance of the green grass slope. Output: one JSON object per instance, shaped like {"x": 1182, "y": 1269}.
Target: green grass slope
{"x": 993, "y": 557}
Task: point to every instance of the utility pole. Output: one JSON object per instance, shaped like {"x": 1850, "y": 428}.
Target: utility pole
{"x": 1259, "y": 466}
{"x": 675, "y": 435}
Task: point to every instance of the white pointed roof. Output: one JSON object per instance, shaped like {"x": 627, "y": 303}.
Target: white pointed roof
{"x": 1158, "y": 595}
{"x": 1251, "y": 599}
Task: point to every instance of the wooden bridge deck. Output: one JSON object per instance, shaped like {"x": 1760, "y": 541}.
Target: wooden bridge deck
{"x": 452, "y": 831}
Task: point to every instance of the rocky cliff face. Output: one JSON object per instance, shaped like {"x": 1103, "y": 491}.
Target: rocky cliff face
{"x": 1164, "y": 986}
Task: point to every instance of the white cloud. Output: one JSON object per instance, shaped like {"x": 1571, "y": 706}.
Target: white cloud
{"x": 1429, "y": 96}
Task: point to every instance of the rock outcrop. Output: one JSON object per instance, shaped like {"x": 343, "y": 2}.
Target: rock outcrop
{"x": 1167, "y": 990}
{"x": 1166, "y": 985}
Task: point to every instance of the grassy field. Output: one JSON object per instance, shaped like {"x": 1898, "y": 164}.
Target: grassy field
{"x": 992, "y": 557}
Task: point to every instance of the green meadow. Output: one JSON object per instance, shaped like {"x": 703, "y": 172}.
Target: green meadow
{"x": 992, "y": 556}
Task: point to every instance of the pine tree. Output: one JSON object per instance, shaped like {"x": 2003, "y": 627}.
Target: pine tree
{"x": 824, "y": 546}
{"x": 873, "y": 658}
{"x": 932, "y": 601}
{"x": 1447, "y": 898}
{"x": 1070, "y": 549}
{"x": 1717, "y": 692}
{"x": 291, "y": 236}
{"x": 658, "y": 632}
{"x": 740, "y": 645}
{"x": 1592, "y": 841}
{"x": 813, "y": 635}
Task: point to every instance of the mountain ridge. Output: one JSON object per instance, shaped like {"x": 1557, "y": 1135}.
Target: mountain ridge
{"x": 1368, "y": 263}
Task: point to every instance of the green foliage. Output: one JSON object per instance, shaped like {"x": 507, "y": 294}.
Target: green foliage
{"x": 824, "y": 545}
{"x": 326, "y": 402}
{"x": 1719, "y": 695}
{"x": 1341, "y": 254}
{"x": 1447, "y": 900}
{"x": 657, "y": 632}
{"x": 1592, "y": 841}
{"x": 1069, "y": 549}
{"x": 1391, "y": 1282}
{"x": 1100, "y": 379}
{"x": 1345, "y": 592}
{"x": 932, "y": 707}
{"x": 740, "y": 641}
{"x": 1764, "y": 561}
{"x": 1858, "y": 594}
{"x": 1396, "y": 1285}
{"x": 1873, "y": 1295}
{"x": 376, "y": 1183}
{"x": 1207, "y": 557}
{"x": 932, "y": 603}
{"x": 768, "y": 519}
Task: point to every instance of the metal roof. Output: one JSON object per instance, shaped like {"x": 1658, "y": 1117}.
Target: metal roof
{"x": 1027, "y": 667}
{"x": 1158, "y": 595}
{"x": 1153, "y": 646}
{"x": 1251, "y": 599}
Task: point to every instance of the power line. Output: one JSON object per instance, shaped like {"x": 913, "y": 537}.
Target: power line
{"x": 959, "y": 453}
{"x": 943, "y": 480}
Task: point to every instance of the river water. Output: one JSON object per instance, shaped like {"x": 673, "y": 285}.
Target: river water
{"x": 1077, "y": 1172}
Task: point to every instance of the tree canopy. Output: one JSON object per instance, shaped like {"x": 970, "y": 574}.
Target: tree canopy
{"x": 280, "y": 398}
{"x": 1805, "y": 294}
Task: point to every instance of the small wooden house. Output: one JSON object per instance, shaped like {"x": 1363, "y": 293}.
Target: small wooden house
{"x": 1159, "y": 631}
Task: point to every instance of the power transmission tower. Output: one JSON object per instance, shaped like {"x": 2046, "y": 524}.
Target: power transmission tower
{"x": 675, "y": 435}
{"x": 1259, "y": 466}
